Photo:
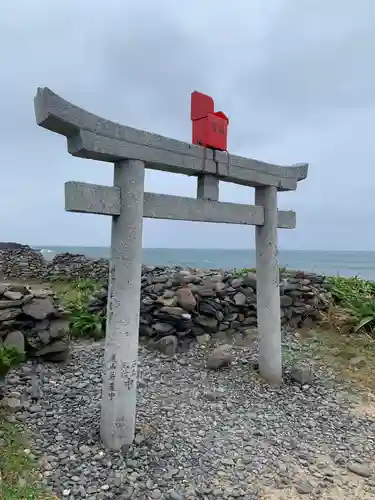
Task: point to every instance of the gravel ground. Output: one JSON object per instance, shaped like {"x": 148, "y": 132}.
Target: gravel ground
{"x": 201, "y": 434}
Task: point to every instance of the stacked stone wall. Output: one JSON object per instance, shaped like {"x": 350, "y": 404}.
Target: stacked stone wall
{"x": 180, "y": 304}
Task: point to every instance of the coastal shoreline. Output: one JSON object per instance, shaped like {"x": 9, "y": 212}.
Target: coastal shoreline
{"x": 25, "y": 262}
{"x": 329, "y": 263}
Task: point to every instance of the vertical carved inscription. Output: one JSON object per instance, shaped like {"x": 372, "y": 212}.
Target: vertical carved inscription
{"x": 112, "y": 367}
{"x": 128, "y": 374}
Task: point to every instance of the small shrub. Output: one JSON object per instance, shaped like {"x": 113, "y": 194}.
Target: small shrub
{"x": 76, "y": 299}
{"x": 85, "y": 323}
{"x": 86, "y": 286}
{"x": 357, "y": 297}
{"x": 9, "y": 357}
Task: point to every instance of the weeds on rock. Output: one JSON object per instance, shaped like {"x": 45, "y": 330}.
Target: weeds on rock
{"x": 243, "y": 271}
{"x": 238, "y": 272}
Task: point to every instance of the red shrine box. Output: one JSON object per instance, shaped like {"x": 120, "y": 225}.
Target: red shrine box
{"x": 210, "y": 128}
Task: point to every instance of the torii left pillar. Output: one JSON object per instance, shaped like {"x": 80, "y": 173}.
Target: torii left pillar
{"x": 119, "y": 394}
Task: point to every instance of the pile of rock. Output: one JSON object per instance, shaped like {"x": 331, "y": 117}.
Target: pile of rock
{"x": 4, "y": 245}
{"x": 21, "y": 262}
{"x": 75, "y": 266}
{"x": 31, "y": 320}
{"x": 185, "y": 304}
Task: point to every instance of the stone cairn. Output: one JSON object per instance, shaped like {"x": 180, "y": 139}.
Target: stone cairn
{"x": 75, "y": 267}
{"x": 179, "y": 305}
{"x": 21, "y": 262}
{"x": 32, "y": 321}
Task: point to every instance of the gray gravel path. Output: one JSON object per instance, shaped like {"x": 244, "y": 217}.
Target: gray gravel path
{"x": 200, "y": 434}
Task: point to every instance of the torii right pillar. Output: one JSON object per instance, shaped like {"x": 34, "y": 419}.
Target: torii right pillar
{"x": 268, "y": 289}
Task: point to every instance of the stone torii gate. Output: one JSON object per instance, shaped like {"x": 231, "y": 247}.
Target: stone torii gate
{"x": 131, "y": 151}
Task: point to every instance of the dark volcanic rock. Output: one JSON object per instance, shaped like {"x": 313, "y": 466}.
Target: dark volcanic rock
{"x": 7, "y": 245}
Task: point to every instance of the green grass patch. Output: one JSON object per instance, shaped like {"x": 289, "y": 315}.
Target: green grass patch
{"x": 19, "y": 476}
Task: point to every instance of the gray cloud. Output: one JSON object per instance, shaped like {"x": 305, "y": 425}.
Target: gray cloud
{"x": 296, "y": 79}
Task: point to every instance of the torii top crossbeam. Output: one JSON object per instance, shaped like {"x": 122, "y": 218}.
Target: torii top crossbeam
{"x": 92, "y": 137}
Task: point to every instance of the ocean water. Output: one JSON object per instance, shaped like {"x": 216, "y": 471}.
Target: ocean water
{"x": 330, "y": 263}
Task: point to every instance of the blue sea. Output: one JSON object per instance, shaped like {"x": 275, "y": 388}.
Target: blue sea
{"x": 330, "y": 263}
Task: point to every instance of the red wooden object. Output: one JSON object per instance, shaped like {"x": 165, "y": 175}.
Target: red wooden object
{"x": 210, "y": 128}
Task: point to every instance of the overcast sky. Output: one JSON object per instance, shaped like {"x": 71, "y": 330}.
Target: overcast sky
{"x": 296, "y": 77}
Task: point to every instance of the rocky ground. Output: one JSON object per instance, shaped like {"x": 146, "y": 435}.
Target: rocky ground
{"x": 201, "y": 433}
